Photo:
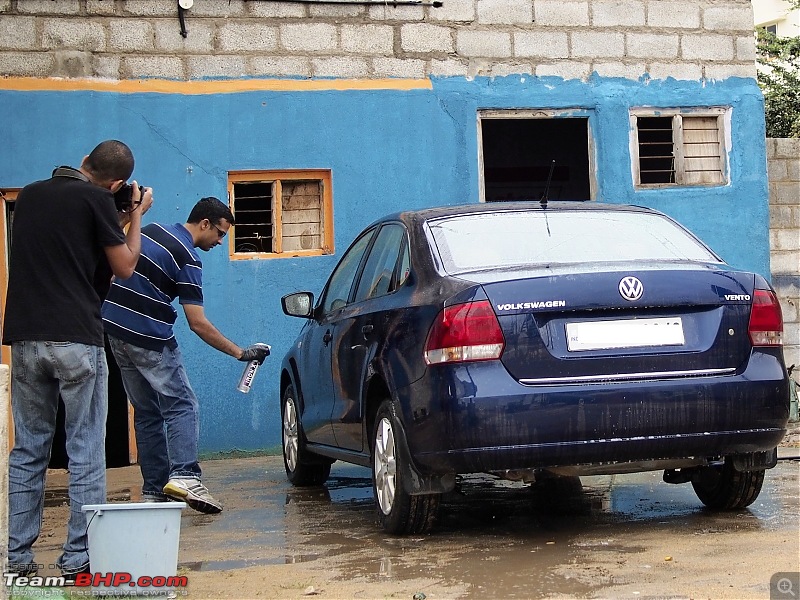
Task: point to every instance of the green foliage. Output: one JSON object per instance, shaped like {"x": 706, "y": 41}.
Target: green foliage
{"x": 779, "y": 78}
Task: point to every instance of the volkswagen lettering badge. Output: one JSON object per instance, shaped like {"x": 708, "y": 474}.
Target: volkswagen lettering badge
{"x": 631, "y": 288}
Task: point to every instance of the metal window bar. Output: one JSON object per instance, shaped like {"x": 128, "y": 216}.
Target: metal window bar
{"x": 656, "y": 150}
{"x": 253, "y": 209}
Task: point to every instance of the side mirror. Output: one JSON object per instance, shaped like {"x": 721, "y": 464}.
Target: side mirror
{"x": 299, "y": 304}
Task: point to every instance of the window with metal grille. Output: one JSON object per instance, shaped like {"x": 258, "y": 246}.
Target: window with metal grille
{"x": 656, "y": 155}
{"x": 281, "y": 213}
{"x": 679, "y": 148}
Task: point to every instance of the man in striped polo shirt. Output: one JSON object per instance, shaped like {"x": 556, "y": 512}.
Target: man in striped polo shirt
{"x": 138, "y": 317}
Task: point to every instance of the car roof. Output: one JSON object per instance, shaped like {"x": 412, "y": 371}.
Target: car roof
{"x": 436, "y": 212}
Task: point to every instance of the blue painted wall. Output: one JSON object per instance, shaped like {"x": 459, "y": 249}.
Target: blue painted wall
{"x": 388, "y": 150}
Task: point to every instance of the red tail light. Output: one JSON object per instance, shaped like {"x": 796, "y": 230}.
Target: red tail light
{"x": 766, "y": 321}
{"x": 465, "y": 332}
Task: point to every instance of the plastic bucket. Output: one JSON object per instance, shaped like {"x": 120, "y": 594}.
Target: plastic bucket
{"x": 133, "y": 548}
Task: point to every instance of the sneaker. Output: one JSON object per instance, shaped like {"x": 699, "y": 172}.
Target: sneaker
{"x": 194, "y": 493}
{"x": 151, "y": 497}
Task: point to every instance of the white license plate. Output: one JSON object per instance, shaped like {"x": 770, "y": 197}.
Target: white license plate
{"x": 627, "y": 333}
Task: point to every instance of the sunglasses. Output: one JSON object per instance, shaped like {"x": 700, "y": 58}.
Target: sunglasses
{"x": 220, "y": 233}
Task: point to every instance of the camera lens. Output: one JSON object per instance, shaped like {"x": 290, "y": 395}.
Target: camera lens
{"x": 122, "y": 198}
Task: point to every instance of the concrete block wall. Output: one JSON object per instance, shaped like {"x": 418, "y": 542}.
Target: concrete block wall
{"x": 783, "y": 166}
{"x": 131, "y": 39}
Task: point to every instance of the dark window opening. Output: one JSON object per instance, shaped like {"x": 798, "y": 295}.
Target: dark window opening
{"x": 9, "y": 220}
{"x": 518, "y": 154}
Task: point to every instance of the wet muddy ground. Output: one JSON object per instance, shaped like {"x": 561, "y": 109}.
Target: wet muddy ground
{"x": 623, "y": 536}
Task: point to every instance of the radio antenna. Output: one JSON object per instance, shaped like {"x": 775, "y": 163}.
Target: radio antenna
{"x": 544, "y": 198}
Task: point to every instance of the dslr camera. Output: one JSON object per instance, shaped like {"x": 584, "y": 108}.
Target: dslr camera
{"x": 123, "y": 198}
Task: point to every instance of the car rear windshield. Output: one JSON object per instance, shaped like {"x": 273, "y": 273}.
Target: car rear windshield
{"x": 478, "y": 241}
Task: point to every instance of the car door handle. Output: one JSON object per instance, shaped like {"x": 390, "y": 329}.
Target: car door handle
{"x": 326, "y": 339}
{"x": 367, "y": 329}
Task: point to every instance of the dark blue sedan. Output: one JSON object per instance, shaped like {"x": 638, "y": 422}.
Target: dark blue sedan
{"x": 529, "y": 341}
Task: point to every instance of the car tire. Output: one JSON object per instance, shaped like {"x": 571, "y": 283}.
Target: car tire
{"x": 398, "y": 511}
{"x": 303, "y": 468}
{"x": 725, "y": 488}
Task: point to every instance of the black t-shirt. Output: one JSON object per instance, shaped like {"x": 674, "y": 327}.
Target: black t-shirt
{"x": 61, "y": 227}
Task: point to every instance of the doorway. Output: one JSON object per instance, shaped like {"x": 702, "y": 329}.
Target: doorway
{"x": 120, "y": 441}
{"x": 531, "y": 155}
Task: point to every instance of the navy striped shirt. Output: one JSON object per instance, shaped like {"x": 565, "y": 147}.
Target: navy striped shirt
{"x": 139, "y": 310}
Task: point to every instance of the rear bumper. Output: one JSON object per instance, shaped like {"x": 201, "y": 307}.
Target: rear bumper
{"x": 475, "y": 418}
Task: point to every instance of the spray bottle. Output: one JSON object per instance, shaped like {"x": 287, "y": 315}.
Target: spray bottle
{"x": 249, "y": 372}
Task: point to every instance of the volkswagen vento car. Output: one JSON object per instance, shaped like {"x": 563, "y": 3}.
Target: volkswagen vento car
{"x": 531, "y": 340}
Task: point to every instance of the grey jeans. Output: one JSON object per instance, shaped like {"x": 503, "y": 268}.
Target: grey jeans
{"x": 41, "y": 371}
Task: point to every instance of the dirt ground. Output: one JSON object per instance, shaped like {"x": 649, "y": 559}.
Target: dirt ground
{"x": 629, "y": 536}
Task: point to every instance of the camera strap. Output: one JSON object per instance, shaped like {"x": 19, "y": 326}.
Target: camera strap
{"x": 69, "y": 172}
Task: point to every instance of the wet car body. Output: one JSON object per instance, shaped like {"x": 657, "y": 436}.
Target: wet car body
{"x": 567, "y": 381}
{"x": 616, "y": 408}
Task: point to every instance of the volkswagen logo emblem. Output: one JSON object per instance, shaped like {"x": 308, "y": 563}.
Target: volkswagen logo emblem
{"x": 631, "y": 288}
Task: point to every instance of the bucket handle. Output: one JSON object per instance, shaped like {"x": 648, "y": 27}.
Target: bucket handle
{"x": 94, "y": 514}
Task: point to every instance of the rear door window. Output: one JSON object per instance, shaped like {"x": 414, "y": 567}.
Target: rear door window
{"x": 378, "y": 277}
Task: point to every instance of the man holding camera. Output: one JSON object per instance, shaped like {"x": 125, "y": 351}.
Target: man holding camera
{"x": 138, "y": 317}
{"x": 63, "y": 227}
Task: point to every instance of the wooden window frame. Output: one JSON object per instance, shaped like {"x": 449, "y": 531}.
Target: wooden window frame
{"x": 722, "y": 116}
{"x": 324, "y": 176}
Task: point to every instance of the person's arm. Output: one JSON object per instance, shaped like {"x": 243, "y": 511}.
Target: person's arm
{"x": 123, "y": 257}
{"x": 205, "y": 330}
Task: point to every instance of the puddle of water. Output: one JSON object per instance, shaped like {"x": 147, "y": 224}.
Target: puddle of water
{"x": 494, "y": 539}
{"x": 515, "y": 570}
{"x": 56, "y": 497}
{"x": 224, "y": 565}
{"x": 60, "y": 496}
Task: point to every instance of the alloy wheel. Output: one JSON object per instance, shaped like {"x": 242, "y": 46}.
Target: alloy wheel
{"x": 290, "y": 434}
{"x": 385, "y": 465}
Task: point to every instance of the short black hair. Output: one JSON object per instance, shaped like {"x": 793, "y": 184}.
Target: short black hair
{"x": 111, "y": 160}
{"x": 212, "y": 209}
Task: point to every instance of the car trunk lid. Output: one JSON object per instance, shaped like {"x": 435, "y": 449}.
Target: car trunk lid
{"x": 609, "y": 323}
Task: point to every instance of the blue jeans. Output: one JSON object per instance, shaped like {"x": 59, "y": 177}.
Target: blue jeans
{"x": 165, "y": 412}
{"x": 41, "y": 371}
